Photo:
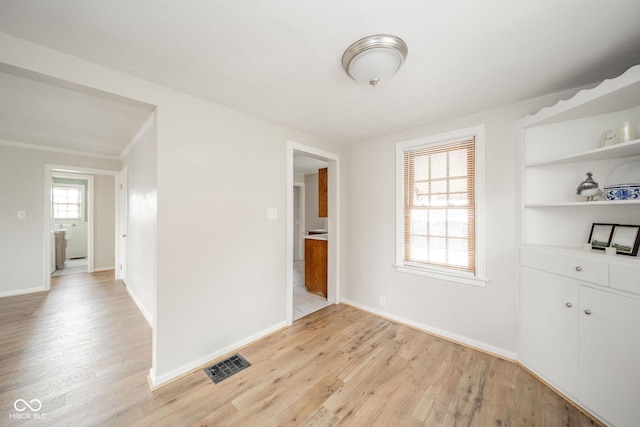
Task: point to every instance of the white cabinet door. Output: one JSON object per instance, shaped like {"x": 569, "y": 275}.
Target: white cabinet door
{"x": 610, "y": 356}
{"x": 549, "y": 328}
{"x": 625, "y": 277}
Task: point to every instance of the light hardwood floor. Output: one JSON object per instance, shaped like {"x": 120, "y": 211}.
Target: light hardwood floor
{"x": 84, "y": 351}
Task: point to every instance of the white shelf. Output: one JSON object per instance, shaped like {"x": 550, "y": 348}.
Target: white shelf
{"x": 595, "y": 203}
{"x": 624, "y": 149}
{"x": 593, "y": 253}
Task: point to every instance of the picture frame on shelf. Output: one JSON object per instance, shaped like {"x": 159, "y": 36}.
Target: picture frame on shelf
{"x": 626, "y": 239}
{"x": 600, "y": 236}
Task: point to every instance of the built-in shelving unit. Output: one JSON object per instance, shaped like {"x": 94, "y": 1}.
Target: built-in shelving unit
{"x": 578, "y": 307}
{"x": 560, "y": 145}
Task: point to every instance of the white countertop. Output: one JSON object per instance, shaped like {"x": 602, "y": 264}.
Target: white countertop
{"x": 317, "y": 237}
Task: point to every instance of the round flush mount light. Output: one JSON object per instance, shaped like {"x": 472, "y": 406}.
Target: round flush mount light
{"x": 375, "y": 59}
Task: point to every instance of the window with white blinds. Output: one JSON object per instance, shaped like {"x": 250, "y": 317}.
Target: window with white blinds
{"x": 439, "y": 211}
{"x": 439, "y": 201}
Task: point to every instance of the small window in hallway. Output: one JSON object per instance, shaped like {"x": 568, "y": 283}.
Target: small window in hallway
{"x": 67, "y": 201}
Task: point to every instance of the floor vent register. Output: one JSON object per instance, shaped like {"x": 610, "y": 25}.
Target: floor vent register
{"x": 224, "y": 369}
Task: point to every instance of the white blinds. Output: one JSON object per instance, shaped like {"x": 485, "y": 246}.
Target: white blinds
{"x": 439, "y": 205}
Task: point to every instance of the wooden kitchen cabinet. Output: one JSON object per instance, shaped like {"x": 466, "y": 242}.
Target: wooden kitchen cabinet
{"x": 323, "y": 199}
{"x": 315, "y": 266}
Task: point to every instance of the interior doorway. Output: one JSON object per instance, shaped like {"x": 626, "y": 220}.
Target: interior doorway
{"x": 92, "y": 230}
{"x": 301, "y": 196}
{"x": 72, "y": 223}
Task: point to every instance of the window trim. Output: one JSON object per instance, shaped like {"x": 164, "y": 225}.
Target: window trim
{"x": 479, "y": 279}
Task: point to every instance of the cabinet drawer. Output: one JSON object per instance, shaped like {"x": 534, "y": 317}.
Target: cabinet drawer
{"x": 625, "y": 277}
{"x": 577, "y": 267}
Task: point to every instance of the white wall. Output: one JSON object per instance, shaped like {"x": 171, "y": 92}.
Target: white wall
{"x": 142, "y": 216}
{"x": 481, "y": 316}
{"x": 298, "y": 217}
{"x": 296, "y": 221}
{"x": 22, "y": 187}
{"x": 221, "y": 265}
{"x": 312, "y": 220}
{"x": 104, "y": 222}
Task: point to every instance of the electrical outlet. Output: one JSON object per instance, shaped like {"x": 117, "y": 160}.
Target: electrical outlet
{"x": 383, "y": 301}
{"x": 272, "y": 213}
{"x": 22, "y": 215}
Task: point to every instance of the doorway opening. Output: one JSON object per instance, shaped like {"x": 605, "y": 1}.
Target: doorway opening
{"x": 72, "y": 228}
{"x": 312, "y": 238}
{"x": 80, "y": 220}
{"x": 309, "y": 256}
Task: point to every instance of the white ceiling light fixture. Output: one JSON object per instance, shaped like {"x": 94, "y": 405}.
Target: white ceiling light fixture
{"x": 375, "y": 59}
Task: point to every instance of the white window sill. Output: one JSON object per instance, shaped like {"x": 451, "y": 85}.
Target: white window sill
{"x": 443, "y": 275}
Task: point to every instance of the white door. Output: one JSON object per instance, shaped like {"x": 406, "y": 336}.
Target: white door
{"x": 123, "y": 216}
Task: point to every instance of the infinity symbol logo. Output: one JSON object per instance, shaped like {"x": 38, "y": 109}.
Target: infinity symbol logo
{"x": 22, "y": 405}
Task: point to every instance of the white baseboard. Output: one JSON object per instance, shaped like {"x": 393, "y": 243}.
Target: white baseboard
{"x": 141, "y": 307}
{"x": 95, "y": 270}
{"x": 459, "y": 339}
{"x": 20, "y": 292}
{"x": 160, "y": 380}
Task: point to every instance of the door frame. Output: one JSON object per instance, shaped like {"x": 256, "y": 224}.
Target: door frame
{"x": 333, "y": 222}
{"x": 122, "y": 224}
{"x": 49, "y": 171}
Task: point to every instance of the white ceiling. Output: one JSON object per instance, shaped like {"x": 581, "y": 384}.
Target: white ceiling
{"x": 280, "y": 59}
{"x": 43, "y": 111}
{"x": 306, "y": 165}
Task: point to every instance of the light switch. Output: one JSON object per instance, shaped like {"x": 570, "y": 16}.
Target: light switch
{"x": 22, "y": 214}
{"x": 272, "y": 213}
